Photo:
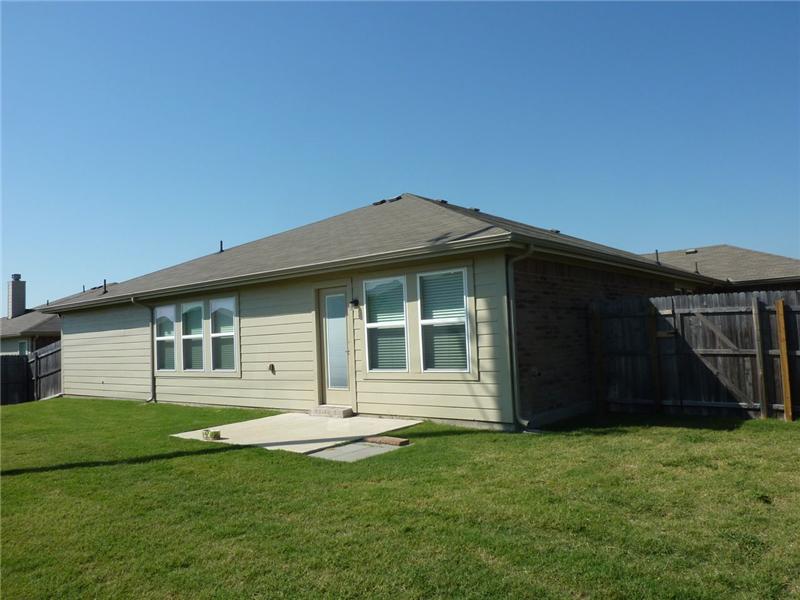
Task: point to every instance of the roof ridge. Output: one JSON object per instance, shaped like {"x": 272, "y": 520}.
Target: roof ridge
{"x": 733, "y": 246}
{"x": 473, "y": 213}
{"x": 490, "y": 218}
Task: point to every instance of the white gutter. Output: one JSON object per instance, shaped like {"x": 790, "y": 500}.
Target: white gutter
{"x": 488, "y": 243}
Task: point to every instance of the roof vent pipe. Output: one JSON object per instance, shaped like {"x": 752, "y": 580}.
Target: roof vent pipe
{"x": 105, "y": 287}
{"x": 220, "y": 246}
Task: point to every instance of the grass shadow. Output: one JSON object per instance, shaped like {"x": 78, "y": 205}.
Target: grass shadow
{"x": 625, "y": 423}
{"x": 138, "y": 460}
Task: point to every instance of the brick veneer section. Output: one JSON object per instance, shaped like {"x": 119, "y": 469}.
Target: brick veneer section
{"x": 552, "y": 318}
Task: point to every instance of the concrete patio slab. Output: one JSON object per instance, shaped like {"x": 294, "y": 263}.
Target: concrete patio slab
{"x": 354, "y": 452}
{"x": 301, "y": 433}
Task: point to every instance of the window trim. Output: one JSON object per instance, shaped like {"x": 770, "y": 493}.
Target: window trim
{"x": 231, "y": 334}
{"x": 386, "y": 325}
{"x": 20, "y": 345}
{"x": 444, "y": 321}
{"x": 165, "y": 338}
{"x": 195, "y": 336}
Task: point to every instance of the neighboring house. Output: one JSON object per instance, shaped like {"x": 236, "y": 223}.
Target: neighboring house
{"x": 741, "y": 268}
{"x": 407, "y": 307}
{"x": 25, "y": 330}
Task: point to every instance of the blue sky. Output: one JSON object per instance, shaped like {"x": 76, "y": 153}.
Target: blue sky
{"x": 137, "y": 135}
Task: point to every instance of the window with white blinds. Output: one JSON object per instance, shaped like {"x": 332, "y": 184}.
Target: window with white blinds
{"x": 443, "y": 320}
{"x": 165, "y": 338}
{"x": 197, "y": 337}
{"x": 385, "y": 318}
{"x": 192, "y": 336}
{"x": 223, "y": 336}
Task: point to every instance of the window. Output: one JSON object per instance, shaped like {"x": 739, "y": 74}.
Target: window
{"x": 223, "y": 336}
{"x": 22, "y": 347}
{"x": 386, "y": 324}
{"x": 165, "y": 338}
{"x": 192, "y": 336}
{"x": 443, "y": 321}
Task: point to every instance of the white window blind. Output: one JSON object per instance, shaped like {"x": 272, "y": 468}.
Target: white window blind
{"x": 165, "y": 338}
{"x": 223, "y": 335}
{"x": 192, "y": 336}
{"x": 386, "y": 324}
{"x": 443, "y": 321}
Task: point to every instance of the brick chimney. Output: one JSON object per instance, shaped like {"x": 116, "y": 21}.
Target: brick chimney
{"x": 16, "y": 296}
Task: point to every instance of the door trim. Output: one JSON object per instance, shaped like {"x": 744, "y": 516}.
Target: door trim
{"x": 319, "y": 349}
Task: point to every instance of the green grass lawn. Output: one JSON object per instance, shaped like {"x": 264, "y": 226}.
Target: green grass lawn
{"x": 99, "y": 501}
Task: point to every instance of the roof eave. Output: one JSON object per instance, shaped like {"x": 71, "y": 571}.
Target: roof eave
{"x": 766, "y": 281}
{"x": 549, "y": 247}
{"x": 487, "y": 243}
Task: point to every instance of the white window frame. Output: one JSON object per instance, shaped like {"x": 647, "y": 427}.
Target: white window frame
{"x": 195, "y": 336}
{"x": 20, "y": 346}
{"x": 327, "y": 347}
{"x": 231, "y": 334}
{"x": 444, "y": 321}
{"x": 165, "y": 338}
{"x": 386, "y": 324}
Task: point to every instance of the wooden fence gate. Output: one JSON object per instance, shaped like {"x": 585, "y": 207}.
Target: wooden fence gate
{"x": 31, "y": 377}
{"x": 705, "y": 353}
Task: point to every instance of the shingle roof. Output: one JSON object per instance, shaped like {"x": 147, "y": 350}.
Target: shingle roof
{"x": 32, "y": 322}
{"x": 732, "y": 262}
{"x": 405, "y": 226}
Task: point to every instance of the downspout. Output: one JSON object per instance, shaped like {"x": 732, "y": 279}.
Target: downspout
{"x": 512, "y": 330}
{"x": 152, "y": 397}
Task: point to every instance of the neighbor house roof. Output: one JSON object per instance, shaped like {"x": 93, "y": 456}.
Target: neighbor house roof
{"x": 405, "y": 227}
{"x": 738, "y": 265}
{"x": 30, "y": 323}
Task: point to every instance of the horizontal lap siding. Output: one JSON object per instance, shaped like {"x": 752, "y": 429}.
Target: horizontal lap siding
{"x": 107, "y": 353}
{"x": 276, "y": 326}
{"x": 486, "y": 399}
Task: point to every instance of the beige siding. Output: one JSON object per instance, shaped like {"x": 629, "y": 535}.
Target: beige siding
{"x": 276, "y": 325}
{"x": 107, "y": 352}
{"x": 481, "y": 396}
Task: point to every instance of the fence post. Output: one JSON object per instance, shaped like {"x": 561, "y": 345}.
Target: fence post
{"x": 655, "y": 360}
{"x": 37, "y": 382}
{"x": 783, "y": 348}
{"x": 677, "y": 325}
{"x": 760, "y": 381}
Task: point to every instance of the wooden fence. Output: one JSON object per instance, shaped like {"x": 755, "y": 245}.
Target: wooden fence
{"x": 15, "y": 381}
{"x": 31, "y": 377}
{"x": 735, "y": 353}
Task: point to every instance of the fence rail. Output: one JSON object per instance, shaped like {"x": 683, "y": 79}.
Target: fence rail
{"x": 31, "y": 377}
{"x": 702, "y": 353}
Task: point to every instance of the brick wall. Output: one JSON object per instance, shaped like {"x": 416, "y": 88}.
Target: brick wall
{"x": 553, "y": 343}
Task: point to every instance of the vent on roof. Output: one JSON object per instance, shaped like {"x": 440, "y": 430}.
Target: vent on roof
{"x": 442, "y": 201}
{"x": 475, "y": 209}
{"x": 385, "y": 200}
{"x": 555, "y": 231}
{"x": 691, "y": 251}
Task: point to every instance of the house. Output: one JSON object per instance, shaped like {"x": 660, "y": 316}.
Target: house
{"x": 405, "y": 307}
{"x": 23, "y": 330}
{"x": 742, "y": 269}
